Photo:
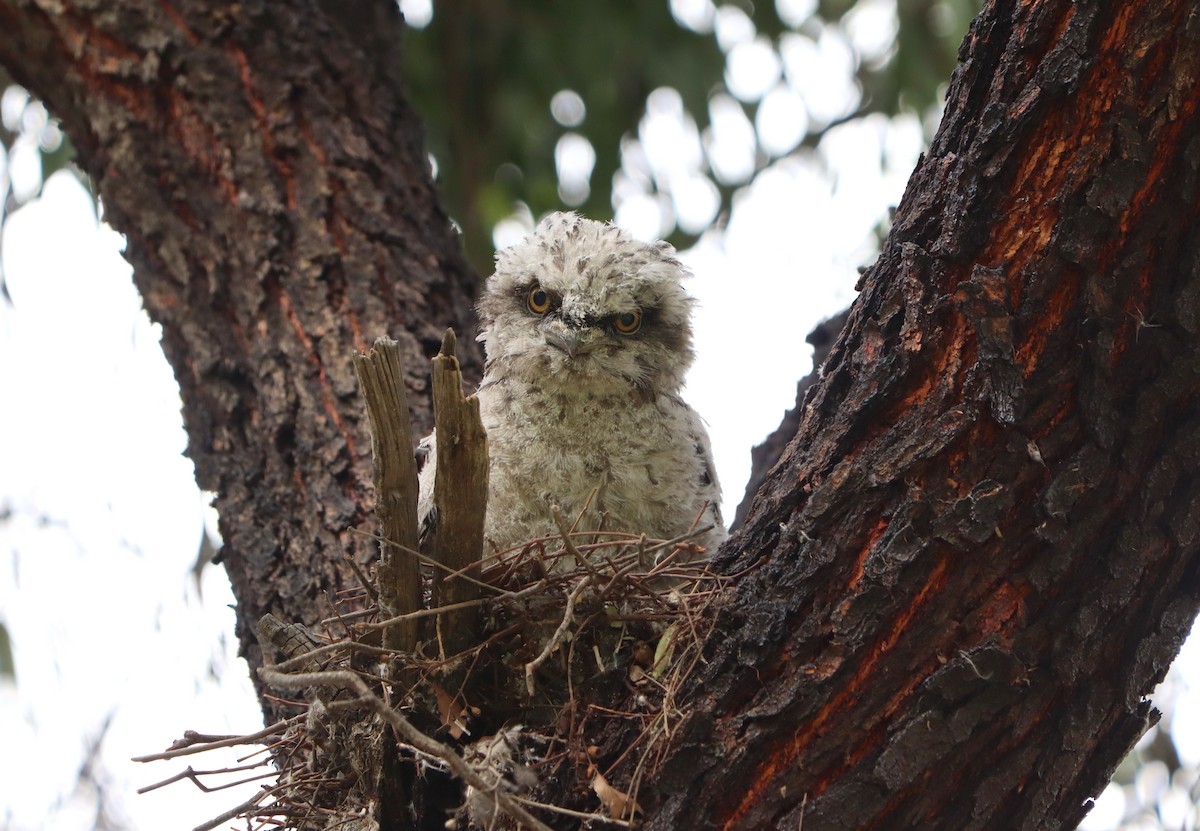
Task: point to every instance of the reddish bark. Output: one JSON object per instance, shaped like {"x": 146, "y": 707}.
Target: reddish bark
{"x": 271, "y": 183}
{"x": 981, "y": 550}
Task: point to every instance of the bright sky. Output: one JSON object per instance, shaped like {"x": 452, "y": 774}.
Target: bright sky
{"x": 97, "y": 588}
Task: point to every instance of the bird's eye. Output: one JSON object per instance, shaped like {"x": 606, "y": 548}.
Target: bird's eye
{"x": 539, "y": 300}
{"x": 628, "y": 323}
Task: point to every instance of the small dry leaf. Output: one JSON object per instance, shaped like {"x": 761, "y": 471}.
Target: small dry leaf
{"x": 452, "y": 712}
{"x": 636, "y": 673}
{"x": 664, "y": 652}
{"x": 616, "y": 803}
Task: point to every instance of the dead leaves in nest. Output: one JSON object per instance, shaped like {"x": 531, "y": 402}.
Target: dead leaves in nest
{"x": 453, "y": 711}
{"x": 617, "y": 804}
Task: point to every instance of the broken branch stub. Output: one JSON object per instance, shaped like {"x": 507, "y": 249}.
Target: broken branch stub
{"x": 381, "y": 375}
{"x": 460, "y": 498}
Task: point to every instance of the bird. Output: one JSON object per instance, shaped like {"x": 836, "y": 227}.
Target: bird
{"x": 587, "y": 334}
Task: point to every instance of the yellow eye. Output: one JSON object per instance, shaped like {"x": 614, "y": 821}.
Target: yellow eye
{"x": 539, "y": 300}
{"x": 628, "y": 323}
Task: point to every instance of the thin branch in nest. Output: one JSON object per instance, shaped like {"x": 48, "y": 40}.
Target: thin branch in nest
{"x": 567, "y": 812}
{"x": 233, "y": 813}
{"x": 580, "y": 561}
{"x": 362, "y": 578}
{"x": 304, "y": 661}
{"x": 586, "y": 505}
{"x": 351, "y": 616}
{"x": 559, "y": 634}
{"x": 509, "y": 596}
{"x": 345, "y": 625}
{"x": 193, "y": 742}
{"x": 407, "y": 732}
{"x": 680, "y": 539}
{"x": 194, "y": 775}
{"x": 429, "y": 561}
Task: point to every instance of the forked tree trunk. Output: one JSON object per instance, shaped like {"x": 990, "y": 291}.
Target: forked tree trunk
{"x": 979, "y": 553}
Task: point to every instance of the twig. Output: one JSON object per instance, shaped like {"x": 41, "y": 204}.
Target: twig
{"x": 557, "y": 638}
{"x": 410, "y": 734}
{"x": 362, "y": 579}
{"x": 194, "y": 775}
{"x": 429, "y": 561}
{"x": 565, "y": 532}
{"x": 232, "y": 813}
{"x": 509, "y": 597}
{"x": 231, "y": 741}
{"x": 681, "y": 538}
{"x": 420, "y": 613}
{"x": 301, "y": 661}
{"x": 558, "y": 809}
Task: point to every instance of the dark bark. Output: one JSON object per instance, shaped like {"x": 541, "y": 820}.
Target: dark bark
{"x": 978, "y": 553}
{"x": 272, "y": 185}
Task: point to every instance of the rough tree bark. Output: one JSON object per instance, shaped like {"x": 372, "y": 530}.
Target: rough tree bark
{"x": 271, "y": 182}
{"x": 981, "y": 549}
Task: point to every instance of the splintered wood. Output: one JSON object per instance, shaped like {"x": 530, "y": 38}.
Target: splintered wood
{"x": 381, "y": 375}
{"x": 460, "y": 501}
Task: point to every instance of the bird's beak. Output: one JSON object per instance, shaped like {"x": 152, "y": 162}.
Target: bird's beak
{"x": 562, "y": 338}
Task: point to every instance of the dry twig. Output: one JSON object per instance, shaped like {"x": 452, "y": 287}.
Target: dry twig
{"x": 559, "y": 634}
{"x": 350, "y": 681}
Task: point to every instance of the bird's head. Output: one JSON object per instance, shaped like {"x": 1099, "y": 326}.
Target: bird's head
{"x": 582, "y": 304}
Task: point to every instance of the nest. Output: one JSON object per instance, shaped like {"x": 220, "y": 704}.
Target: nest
{"x": 576, "y": 633}
{"x": 506, "y": 705}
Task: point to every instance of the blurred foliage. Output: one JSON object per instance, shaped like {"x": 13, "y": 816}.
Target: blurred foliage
{"x": 484, "y": 72}
{"x": 32, "y": 148}
{"x": 918, "y": 67}
{"x": 24, "y": 122}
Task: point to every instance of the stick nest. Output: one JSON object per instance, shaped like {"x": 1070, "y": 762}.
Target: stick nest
{"x": 580, "y": 635}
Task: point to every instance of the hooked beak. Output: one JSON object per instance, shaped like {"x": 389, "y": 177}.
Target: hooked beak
{"x": 565, "y": 337}
{"x": 562, "y": 338}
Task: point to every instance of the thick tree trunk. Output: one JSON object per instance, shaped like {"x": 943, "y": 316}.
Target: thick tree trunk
{"x": 272, "y": 185}
{"x": 979, "y": 552}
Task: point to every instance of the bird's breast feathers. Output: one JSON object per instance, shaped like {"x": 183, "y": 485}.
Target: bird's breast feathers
{"x": 639, "y": 464}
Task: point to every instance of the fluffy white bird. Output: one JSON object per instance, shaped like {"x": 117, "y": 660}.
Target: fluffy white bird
{"x": 588, "y": 336}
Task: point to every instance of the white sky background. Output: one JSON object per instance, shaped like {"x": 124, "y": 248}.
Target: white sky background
{"x": 104, "y": 518}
